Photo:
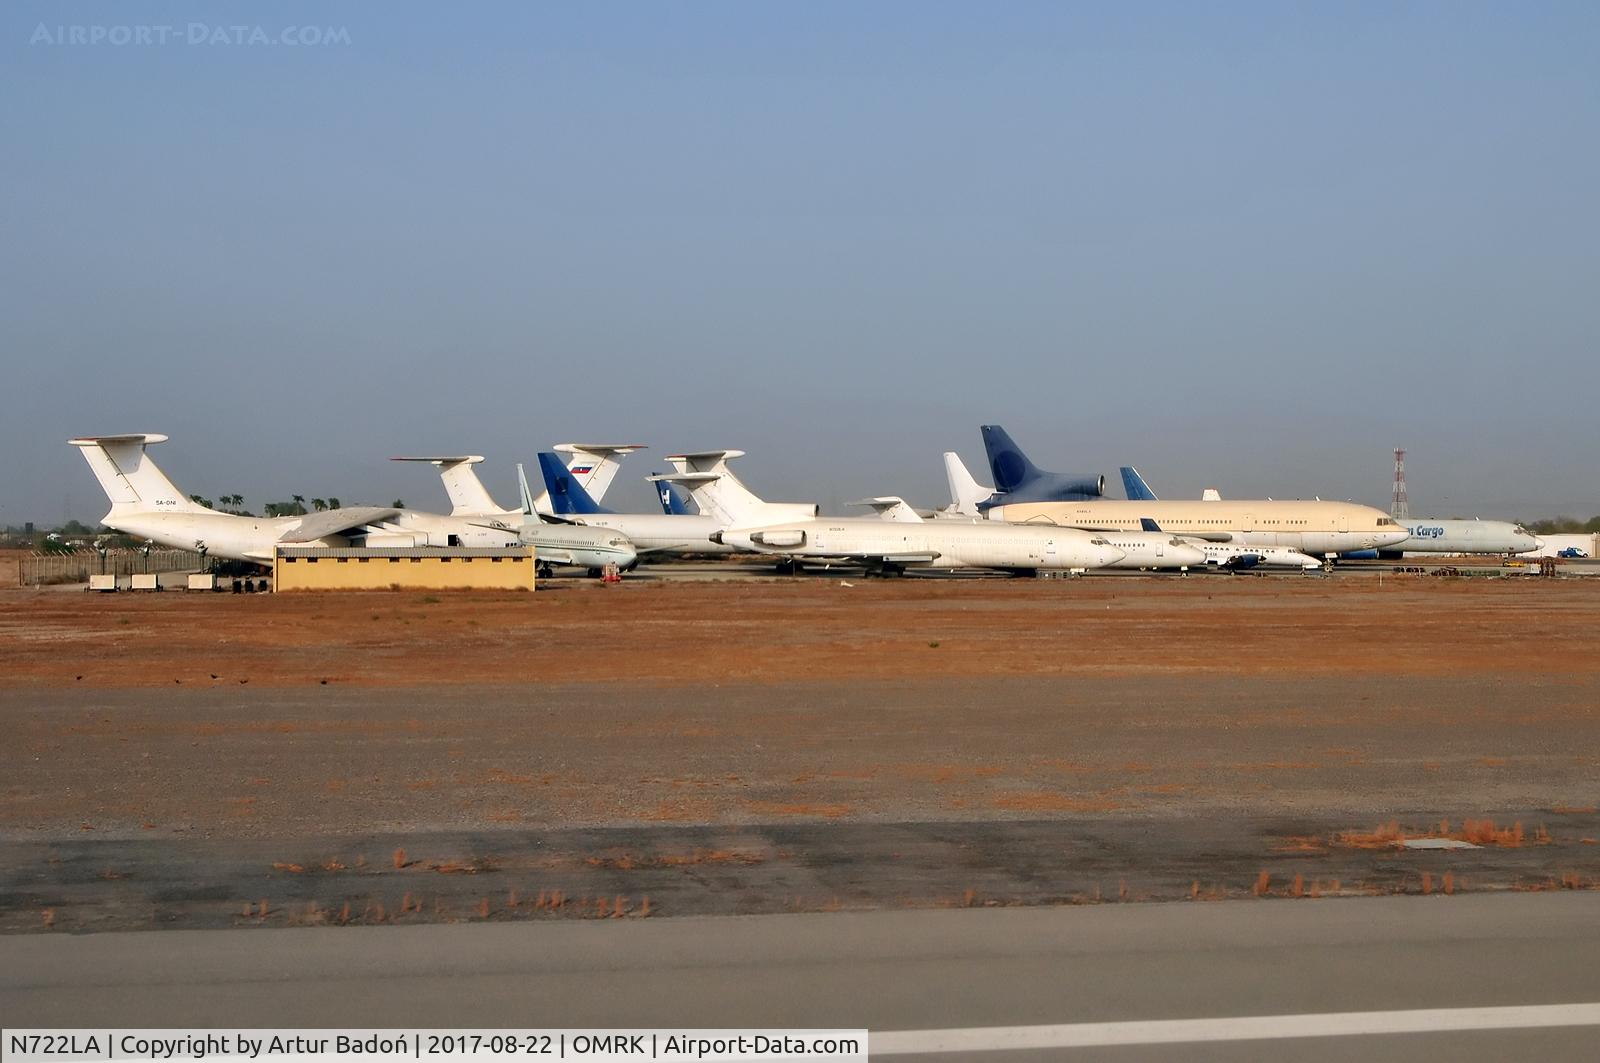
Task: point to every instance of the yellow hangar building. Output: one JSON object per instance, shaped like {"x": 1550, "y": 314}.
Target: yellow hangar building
{"x": 353, "y": 568}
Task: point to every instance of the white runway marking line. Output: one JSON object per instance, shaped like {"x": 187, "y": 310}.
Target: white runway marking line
{"x": 1241, "y": 1028}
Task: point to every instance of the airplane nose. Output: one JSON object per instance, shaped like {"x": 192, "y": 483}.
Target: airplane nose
{"x": 1190, "y": 555}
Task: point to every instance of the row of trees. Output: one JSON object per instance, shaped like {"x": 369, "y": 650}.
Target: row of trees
{"x": 1564, "y": 526}
{"x": 296, "y": 507}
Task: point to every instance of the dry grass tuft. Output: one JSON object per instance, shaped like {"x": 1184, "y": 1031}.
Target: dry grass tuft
{"x": 1263, "y": 885}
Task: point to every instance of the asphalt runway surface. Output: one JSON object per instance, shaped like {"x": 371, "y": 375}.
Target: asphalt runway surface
{"x": 1291, "y": 980}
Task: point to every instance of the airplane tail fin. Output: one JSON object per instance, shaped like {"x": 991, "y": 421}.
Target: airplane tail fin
{"x": 594, "y": 465}
{"x": 467, "y": 494}
{"x": 566, "y": 493}
{"x": 128, "y": 476}
{"x": 965, "y": 492}
{"x": 1009, "y": 465}
{"x": 721, "y": 494}
{"x": 675, "y": 500}
{"x": 1020, "y": 479}
{"x": 528, "y": 508}
{"x": 1134, "y": 487}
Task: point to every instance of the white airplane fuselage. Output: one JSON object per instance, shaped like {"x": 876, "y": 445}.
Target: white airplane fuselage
{"x": 1239, "y": 555}
{"x": 237, "y": 538}
{"x": 660, "y": 532}
{"x": 1314, "y": 528}
{"x": 931, "y": 544}
{"x": 1465, "y": 537}
{"x": 1154, "y": 550}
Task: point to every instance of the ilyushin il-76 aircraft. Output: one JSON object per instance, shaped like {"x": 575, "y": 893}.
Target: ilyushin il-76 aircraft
{"x": 146, "y": 504}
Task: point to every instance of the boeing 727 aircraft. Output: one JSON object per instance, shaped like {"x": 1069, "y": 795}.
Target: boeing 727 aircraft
{"x": 144, "y": 503}
{"x": 887, "y": 547}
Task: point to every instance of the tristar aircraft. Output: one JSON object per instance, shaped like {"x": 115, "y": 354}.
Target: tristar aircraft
{"x": 888, "y": 547}
{"x": 555, "y": 541}
{"x": 1424, "y": 535}
{"x": 1314, "y": 527}
{"x": 146, "y": 504}
{"x": 594, "y": 465}
{"x": 651, "y": 533}
{"x": 1458, "y": 537}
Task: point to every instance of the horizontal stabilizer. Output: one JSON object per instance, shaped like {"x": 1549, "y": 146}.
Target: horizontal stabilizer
{"x": 891, "y": 507}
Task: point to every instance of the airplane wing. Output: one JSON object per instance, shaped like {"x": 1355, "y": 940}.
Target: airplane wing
{"x": 314, "y": 526}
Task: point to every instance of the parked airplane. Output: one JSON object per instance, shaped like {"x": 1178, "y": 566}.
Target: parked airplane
{"x": 889, "y": 547}
{"x": 1458, "y": 537}
{"x": 651, "y": 533}
{"x": 1424, "y": 536}
{"x": 558, "y": 541}
{"x": 1238, "y": 556}
{"x": 555, "y": 542}
{"x": 146, "y": 504}
{"x": 1314, "y": 527}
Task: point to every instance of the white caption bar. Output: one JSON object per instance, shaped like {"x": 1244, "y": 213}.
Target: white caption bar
{"x": 435, "y": 1046}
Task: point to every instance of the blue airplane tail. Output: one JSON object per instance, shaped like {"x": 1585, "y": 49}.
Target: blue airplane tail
{"x": 674, "y": 501}
{"x": 567, "y": 495}
{"x": 1134, "y": 487}
{"x": 1016, "y": 479}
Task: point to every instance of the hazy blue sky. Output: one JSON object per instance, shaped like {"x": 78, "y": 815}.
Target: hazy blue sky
{"x": 1253, "y": 246}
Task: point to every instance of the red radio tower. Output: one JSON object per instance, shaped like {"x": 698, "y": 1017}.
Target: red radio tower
{"x": 1400, "y": 508}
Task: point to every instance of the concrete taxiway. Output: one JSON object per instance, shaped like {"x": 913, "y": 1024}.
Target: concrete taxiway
{"x": 1094, "y": 977}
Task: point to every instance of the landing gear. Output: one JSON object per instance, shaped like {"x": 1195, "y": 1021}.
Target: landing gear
{"x": 790, "y": 567}
{"x": 543, "y": 570}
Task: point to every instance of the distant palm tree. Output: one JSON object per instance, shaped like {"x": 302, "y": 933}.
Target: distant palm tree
{"x": 319, "y": 504}
{"x": 202, "y": 501}
{"x": 398, "y": 503}
{"x": 333, "y": 503}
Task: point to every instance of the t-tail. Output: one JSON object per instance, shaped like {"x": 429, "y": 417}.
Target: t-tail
{"x": 595, "y": 465}
{"x": 567, "y": 494}
{"x": 468, "y": 496}
{"x": 722, "y": 495}
{"x": 1016, "y": 479}
{"x": 1134, "y": 487}
{"x": 129, "y": 478}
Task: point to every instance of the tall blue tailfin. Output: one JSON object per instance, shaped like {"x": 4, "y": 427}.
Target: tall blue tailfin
{"x": 674, "y": 500}
{"x": 1016, "y": 479}
{"x": 1134, "y": 487}
{"x": 567, "y": 495}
